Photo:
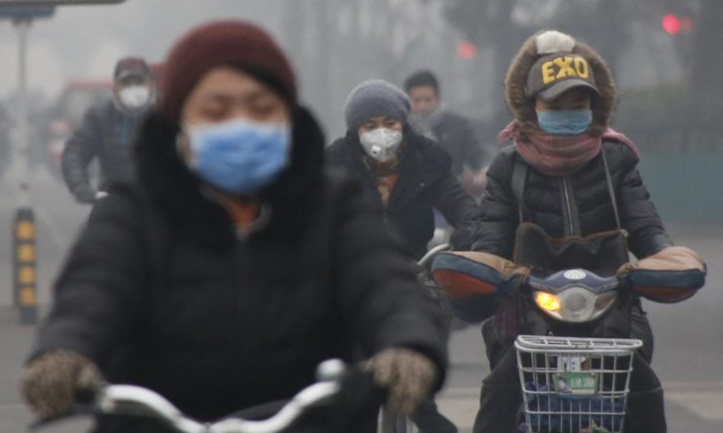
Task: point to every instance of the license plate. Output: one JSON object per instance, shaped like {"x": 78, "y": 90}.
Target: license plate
{"x": 576, "y": 383}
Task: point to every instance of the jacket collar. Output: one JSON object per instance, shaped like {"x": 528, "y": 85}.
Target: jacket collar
{"x": 415, "y": 170}
{"x": 178, "y": 192}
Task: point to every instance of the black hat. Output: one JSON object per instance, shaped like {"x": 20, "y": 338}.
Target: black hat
{"x": 552, "y": 75}
{"x": 224, "y": 43}
{"x": 131, "y": 67}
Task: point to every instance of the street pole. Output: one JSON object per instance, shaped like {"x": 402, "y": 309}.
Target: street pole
{"x": 23, "y": 27}
{"x": 22, "y": 13}
{"x": 24, "y": 223}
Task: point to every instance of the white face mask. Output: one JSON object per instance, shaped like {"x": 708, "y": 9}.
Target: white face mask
{"x": 134, "y": 97}
{"x": 381, "y": 143}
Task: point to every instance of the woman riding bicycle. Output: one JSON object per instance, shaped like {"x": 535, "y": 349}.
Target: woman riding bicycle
{"x": 234, "y": 264}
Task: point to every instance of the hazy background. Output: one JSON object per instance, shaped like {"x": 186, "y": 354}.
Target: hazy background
{"x": 671, "y": 98}
{"x": 84, "y": 42}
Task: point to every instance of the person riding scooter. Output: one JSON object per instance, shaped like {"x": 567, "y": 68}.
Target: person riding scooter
{"x": 566, "y": 179}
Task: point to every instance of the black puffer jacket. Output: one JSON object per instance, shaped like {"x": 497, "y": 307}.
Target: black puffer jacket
{"x": 587, "y": 201}
{"x": 160, "y": 291}
{"x": 106, "y": 134}
{"x": 425, "y": 182}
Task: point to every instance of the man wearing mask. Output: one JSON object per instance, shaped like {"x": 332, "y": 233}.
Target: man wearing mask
{"x": 452, "y": 131}
{"x": 107, "y": 131}
{"x": 408, "y": 176}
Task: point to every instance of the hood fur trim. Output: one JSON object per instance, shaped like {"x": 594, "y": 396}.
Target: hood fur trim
{"x": 523, "y": 108}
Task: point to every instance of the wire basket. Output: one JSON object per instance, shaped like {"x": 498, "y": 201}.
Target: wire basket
{"x": 574, "y": 385}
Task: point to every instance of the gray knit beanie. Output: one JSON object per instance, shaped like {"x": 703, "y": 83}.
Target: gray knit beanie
{"x": 375, "y": 98}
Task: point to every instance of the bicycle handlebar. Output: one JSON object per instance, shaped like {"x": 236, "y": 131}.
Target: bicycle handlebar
{"x": 136, "y": 400}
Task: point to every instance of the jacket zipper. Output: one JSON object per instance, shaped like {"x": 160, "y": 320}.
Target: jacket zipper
{"x": 566, "y": 191}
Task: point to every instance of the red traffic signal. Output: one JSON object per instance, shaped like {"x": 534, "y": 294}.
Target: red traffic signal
{"x": 673, "y": 24}
{"x": 466, "y": 50}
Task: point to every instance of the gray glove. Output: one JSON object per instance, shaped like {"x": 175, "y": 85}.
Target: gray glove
{"x": 407, "y": 374}
{"x": 84, "y": 194}
{"x": 52, "y": 383}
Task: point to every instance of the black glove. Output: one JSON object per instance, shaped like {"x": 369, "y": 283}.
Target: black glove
{"x": 84, "y": 194}
{"x": 53, "y": 382}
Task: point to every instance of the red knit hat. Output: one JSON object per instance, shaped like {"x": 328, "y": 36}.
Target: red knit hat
{"x": 223, "y": 43}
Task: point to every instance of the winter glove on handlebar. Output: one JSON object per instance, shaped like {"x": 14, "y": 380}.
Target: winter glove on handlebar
{"x": 409, "y": 376}
{"x": 671, "y": 275}
{"x": 53, "y": 382}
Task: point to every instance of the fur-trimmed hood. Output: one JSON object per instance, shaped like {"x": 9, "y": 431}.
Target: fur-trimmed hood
{"x": 178, "y": 193}
{"x": 523, "y": 107}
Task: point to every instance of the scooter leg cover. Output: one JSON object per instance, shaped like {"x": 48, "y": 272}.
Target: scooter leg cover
{"x": 646, "y": 407}
{"x": 647, "y": 412}
{"x": 500, "y": 398}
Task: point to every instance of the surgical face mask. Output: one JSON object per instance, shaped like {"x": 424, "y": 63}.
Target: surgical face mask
{"x": 240, "y": 157}
{"x": 134, "y": 97}
{"x": 382, "y": 143}
{"x": 564, "y": 122}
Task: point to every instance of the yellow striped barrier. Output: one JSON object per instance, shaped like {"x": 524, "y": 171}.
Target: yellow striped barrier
{"x": 25, "y": 269}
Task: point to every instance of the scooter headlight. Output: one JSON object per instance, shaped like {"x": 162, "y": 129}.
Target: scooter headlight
{"x": 578, "y": 305}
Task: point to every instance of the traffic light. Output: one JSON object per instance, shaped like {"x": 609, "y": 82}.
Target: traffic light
{"x": 466, "y": 50}
{"x": 674, "y": 24}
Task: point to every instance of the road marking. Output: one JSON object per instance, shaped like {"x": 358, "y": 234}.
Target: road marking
{"x": 701, "y": 398}
{"x": 705, "y": 404}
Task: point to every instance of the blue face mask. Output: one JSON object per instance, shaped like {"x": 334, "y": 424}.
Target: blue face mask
{"x": 240, "y": 156}
{"x": 564, "y": 122}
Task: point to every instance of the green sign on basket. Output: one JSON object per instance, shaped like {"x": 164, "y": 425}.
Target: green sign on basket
{"x": 576, "y": 383}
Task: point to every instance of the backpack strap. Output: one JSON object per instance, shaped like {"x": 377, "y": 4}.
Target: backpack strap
{"x": 611, "y": 189}
{"x": 519, "y": 178}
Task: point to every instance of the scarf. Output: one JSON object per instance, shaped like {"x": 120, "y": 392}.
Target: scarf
{"x": 560, "y": 155}
{"x": 385, "y": 175}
